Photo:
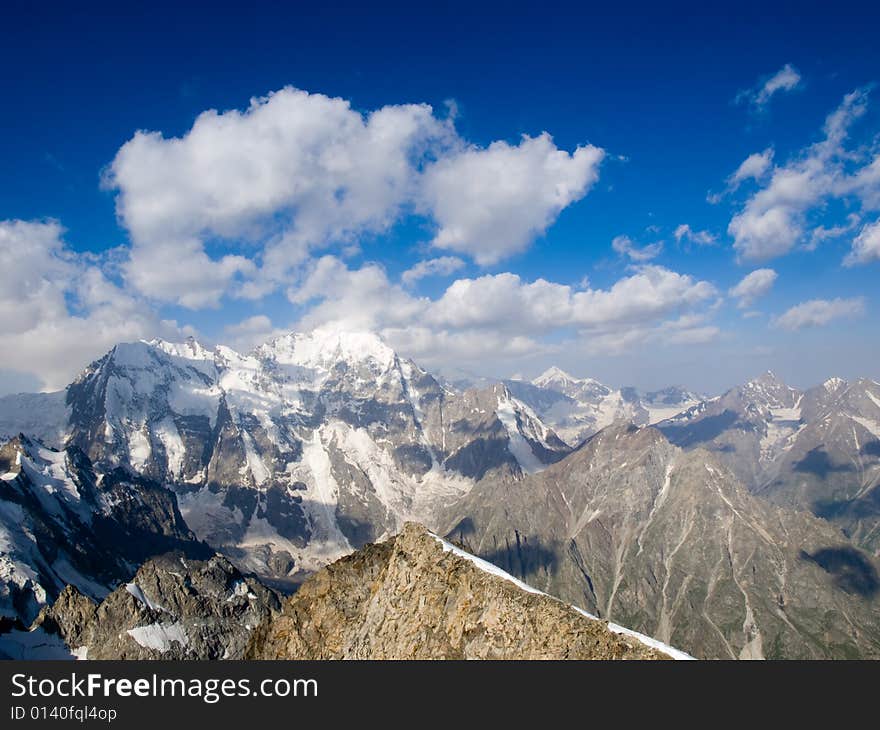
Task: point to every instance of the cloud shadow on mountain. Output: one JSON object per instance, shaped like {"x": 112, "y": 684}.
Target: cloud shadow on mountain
{"x": 700, "y": 431}
{"x": 851, "y": 571}
{"x": 818, "y": 462}
{"x": 866, "y": 506}
{"x": 872, "y": 448}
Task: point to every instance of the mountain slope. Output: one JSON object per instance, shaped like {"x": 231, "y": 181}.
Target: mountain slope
{"x": 62, "y": 523}
{"x": 817, "y": 450}
{"x": 669, "y": 543}
{"x": 417, "y": 597}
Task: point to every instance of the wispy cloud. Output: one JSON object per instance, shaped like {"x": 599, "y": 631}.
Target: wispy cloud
{"x": 753, "y": 286}
{"x": 625, "y": 246}
{"x": 441, "y": 266}
{"x": 685, "y": 234}
{"x": 785, "y": 79}
{"x": 819, "y": 312}
{"x": 865, "y": 246}
{"x": 773, "y": 219}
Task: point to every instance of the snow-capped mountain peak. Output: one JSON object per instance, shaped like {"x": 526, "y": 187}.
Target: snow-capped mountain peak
{"x": 769, "y": 391}
{"x": 190, "y": 348}
{"x": 324, "y": 348}
{"x": 578, "y": 407}
{"x": 298, "y": 452}
{"x": 554, "y": 375}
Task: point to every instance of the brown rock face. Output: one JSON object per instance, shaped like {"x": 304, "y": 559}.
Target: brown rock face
{"x": 412, "y": 597}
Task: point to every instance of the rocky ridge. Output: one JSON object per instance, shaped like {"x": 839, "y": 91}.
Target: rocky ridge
{"x": 63, "y": 522}
{"x": 416, "y": 596}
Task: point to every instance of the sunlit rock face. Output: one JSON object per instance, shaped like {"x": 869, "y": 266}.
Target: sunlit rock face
{"x": 418, "y": 597}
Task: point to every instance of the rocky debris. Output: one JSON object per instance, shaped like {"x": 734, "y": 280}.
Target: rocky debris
{"x": 417, "y": 597}
{"x": 173, "y": 608}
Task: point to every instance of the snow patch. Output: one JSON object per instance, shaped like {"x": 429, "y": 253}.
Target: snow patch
{"x": 516, "y": 442}
{"x": 159, "y": 637}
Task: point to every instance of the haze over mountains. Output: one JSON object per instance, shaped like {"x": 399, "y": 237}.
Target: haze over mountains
{"x": 743, "y": 525}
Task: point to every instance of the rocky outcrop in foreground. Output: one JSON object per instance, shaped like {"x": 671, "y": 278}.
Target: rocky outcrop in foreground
{"x": 416, "y": 596}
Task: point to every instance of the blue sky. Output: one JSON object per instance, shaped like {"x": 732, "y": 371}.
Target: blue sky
{"x": 648, "y": 114}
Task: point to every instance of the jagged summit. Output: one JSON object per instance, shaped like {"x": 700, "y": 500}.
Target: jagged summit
{"x": 555, "y": 374}
{"x": 576, "y": 408}
{"x": 767, "y": 378}
{"x": 190, "y": 348}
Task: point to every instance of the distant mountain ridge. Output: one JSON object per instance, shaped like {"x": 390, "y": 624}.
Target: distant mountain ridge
{"x": 295, "y": 454}
{"x": 671, "y": 544}
{"x": 576, "y": 408}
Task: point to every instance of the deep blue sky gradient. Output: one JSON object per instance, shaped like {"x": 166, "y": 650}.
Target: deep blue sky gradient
{"x": 652, "y": 83}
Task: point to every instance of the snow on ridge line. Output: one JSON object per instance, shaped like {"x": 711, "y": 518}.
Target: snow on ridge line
{"x": 677, "y": 654}
{"x": 488, "y": 567}
{"x": 485, "y": 565}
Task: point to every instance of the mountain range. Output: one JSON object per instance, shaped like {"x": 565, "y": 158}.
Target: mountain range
{"x": 743, "y": 525}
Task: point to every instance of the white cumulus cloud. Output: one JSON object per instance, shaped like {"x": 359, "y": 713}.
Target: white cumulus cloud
{"x": 241, "y": 202}
{"x": 58, "y": 310}
{"x": 491, "y": 203}
{"x": 503, "y": 315}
